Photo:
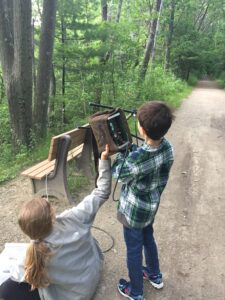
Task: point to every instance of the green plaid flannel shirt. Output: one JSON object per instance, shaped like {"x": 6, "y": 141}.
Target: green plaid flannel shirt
{"x": 144, "y": 175}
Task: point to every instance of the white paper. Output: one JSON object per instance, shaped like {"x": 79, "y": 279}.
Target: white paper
{"x": 10, "y": 258}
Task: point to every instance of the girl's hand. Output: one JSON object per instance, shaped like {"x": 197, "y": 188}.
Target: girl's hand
{"x": 105, "y": 154}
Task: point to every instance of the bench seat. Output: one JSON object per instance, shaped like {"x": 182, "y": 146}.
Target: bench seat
{"x": 40, "y": 170}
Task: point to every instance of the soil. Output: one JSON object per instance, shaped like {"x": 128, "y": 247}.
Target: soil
{"x": 190, "y": 223}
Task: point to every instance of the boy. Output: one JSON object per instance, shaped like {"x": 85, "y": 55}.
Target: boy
{"x": 144, "y": 174}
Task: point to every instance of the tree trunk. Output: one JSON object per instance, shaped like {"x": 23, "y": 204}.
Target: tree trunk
{"x": 52, "y": 94}
{"x": 52, "y": 89}
{"x": 170, "y": 34}
{"x": 63, "y": 38}
{"x": 103, "y": 59}
{"x": 151, "y": 40}
{"x": 104, "y": 10}
{"x": 44, "y": 67}
{"x": 16, "y": 58}
{"x": 128, "y": 9}
{"x": 33, "y": 57}
{"x": 119, "y": 10}
{"x": 203, "y": 17}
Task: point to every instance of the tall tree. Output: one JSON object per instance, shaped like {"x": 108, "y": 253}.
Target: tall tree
{"x": 104, "y": 57}
{"x": 63, "y": 86}
{"x": 44, "y": 67}
{"x": 149, "y": 50}
{"x": 104, "y": 6}
{"x": 128, "y": 8}
{"x": 202, "y": 15}
{"x": 16, "y": 60}
{"x": 170, "y": 33}
{"x": 120, "y": 3}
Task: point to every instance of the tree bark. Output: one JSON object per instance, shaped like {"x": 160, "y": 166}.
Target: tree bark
{"x": 33, "y": 61}
{"x": 16, "y": 58}
{"x": 52, "y": 94}
{"x": 119, "y": 10}
{"x": 151, "y": 40}
{"x": 52, "y": 89}
{"x": 44, "y": 67}
{"x": 203, "y": 17}
{"x": 170, "y": 34}
{"x": 63, "y": 38}
{"x": 104, "y": 6}
{"x": 128, "y": 9}
{"x": 6, "y": 38}
{"x": 103, "y": 59}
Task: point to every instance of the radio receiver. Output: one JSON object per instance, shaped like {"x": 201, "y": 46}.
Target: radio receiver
{"x": 111, "y": 127}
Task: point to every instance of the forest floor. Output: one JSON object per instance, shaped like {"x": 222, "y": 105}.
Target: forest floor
{"x": 190, "y": 224}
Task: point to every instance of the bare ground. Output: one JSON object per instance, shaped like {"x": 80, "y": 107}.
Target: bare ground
{"x": 190, "y": 224}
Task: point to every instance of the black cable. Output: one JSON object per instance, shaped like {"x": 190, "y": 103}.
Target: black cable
{"x": 111, "y": 237}
{"x": 132, "y": 111}
{"x": 137, "y": 137}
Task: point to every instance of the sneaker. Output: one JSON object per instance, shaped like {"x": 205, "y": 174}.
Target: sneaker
{"x": 125, "y": 290}
{"x": 155, "y": 280}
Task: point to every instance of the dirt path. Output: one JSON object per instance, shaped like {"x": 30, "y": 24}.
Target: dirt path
{"x": 190, "y": 225}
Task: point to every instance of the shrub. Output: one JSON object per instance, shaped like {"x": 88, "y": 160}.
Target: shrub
{"x": 163, "y": 85}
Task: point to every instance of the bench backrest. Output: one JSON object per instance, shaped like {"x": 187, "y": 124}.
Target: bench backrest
{"x": 77, "y": 138}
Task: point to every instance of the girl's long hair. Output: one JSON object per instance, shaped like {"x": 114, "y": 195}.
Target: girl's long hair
{"x": 36, "y": 220}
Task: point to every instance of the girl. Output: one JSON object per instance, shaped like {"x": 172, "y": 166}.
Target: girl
{"x": 63, "y": 261}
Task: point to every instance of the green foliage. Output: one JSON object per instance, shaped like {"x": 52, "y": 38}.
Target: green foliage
{"x": 76, "y": 180}
{"x": 11, "y": 164}
{"x": 192, "y": 80}
{"x": 68, "y": 113}
{"x": 96, "y": 61}
{"x": 221, "y": 80}
{"x": 162, "y": 85}
{"x": 4, "y": 124}
{"x": 198, "y": 40}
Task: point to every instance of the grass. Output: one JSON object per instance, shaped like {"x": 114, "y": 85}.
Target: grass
{"x": 176, "y": 100}
{"x": 75, "y": 177}
{"x": 11, "y": 164}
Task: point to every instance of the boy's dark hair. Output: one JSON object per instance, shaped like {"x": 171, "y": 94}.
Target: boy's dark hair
{"x": 156, "y": 118}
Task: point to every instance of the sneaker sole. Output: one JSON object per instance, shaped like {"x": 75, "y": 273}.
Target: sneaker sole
{"x": 125, "y": 295}
{"x": 155, "y": 285}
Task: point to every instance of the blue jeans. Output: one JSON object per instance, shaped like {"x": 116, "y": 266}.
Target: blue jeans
{"x": 136, "y": 240}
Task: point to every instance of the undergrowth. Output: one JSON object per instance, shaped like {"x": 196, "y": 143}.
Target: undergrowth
{"x": 158, "y": 85}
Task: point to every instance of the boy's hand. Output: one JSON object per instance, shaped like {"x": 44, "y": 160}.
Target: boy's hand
{"x": 105, "y": 154}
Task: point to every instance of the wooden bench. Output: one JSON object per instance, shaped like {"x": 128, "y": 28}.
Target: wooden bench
{"x": 49, "y": 177}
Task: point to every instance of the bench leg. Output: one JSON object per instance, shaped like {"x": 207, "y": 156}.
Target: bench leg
{"x": 56, "y": 182}
{"x": 52, "y": 187}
